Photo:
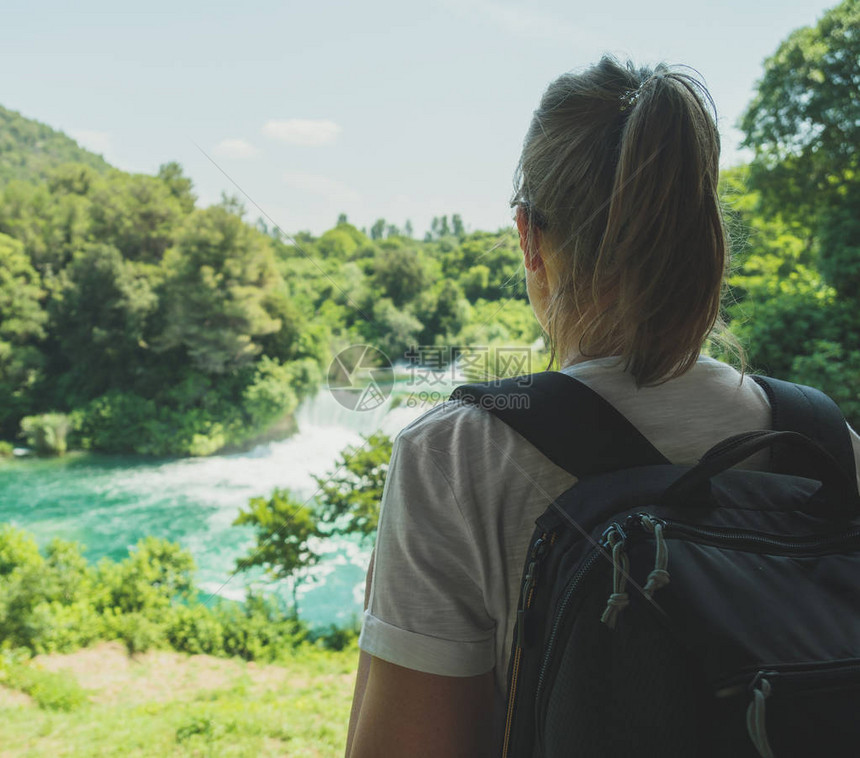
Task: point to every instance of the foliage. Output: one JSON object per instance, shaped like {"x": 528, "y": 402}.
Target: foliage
{"x": 218, "y": 277}
{"x": 285, "y": 528}
{"x": 804, "y": 121}
{"x": 29, "y": 150}
{"x": 102, "y": 308}
{"x": 350, "y": 493}
{"x": 165, "y": 329}
{"x": 197, "y": 415}
{"x": 22, "y": 326}
{"x": 347, "y": 502}
{"x": 57, "y": 602}
{"x": 831, "y": 365}
{"x": 155, "y": 574}
{"x": 51, "y": 691}
{"x": 400, "y": 274}
{"x": 797, "y": 290}
{"x": 46, "y": 433}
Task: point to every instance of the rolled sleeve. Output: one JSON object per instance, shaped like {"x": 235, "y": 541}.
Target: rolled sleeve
{"x": 420, "y": 652}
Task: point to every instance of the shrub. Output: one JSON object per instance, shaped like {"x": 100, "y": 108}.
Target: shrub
{"x": 195, "y": 629}
{"x": 138, "y": 632}
{"x": 258, "y": 631}
{"x": 58, "y": 603}
{"x": 53, "y": 691}
{"x": 46, "y": 433}
{"x": 148, "y": 580}
{"x": 337, "y": 638}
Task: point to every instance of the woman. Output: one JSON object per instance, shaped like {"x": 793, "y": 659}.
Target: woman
{"x": 624, "y": 250}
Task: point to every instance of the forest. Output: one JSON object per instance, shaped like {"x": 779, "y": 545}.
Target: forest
{"x": 132, "y": 320}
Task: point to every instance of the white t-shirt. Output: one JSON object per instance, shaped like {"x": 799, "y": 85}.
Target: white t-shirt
{"x": 462, "y": 495}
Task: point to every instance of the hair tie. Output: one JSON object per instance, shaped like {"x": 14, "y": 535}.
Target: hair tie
{"x": 629, "y": 98}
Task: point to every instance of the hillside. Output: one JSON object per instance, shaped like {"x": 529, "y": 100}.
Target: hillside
{"x": 30, "y": 149}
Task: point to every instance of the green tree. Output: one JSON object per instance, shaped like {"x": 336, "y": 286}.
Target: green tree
{"x": 352, "y": 490}
{"x": 394, "y": 330}
{"x": 805, "y": 118}
{"x": 444, "y": 311}
{"x": 52, "y": 220}
{"x": 347, "y": 503}
{"x": 457, "y": 228}
{"x": 285, "y": 529}
{"x": 798, "y": 288}
{"x": 400, "y": 273}
{"x": 137, "y": 214}
{"x": 22, "y": 318}
{"x": 100, "y": 321}
{"x": 180, "y": 186}
{"x": 22, "y": 328}
{"x": 219, "y": 276}
{"x": 804, "y": 125}
{"x": 341, "y": 242}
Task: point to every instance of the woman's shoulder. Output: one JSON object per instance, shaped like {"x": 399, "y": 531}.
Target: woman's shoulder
{"x": 445, "y": 423}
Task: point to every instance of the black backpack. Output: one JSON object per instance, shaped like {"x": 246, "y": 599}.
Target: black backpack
{"x": 685, "y": 611}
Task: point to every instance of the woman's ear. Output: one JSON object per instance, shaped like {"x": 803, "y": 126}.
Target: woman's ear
{"x": 529, "y": 241}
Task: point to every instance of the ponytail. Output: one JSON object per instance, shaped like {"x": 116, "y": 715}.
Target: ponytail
{"x": 622, "y": 166}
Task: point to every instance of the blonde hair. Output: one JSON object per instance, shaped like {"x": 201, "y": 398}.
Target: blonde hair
{"x": 619, "y": 174}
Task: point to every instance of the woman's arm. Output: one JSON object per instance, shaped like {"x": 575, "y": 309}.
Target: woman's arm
{"x": 400, "y": 712}
{"x": 410, "y": 714}
{"x": 363, "y": 669}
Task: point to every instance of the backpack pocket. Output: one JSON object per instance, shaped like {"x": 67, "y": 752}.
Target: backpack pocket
{"x": 797, "y": 710}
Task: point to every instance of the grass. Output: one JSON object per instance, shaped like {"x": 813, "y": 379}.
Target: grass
{"x": 170, "y": 704}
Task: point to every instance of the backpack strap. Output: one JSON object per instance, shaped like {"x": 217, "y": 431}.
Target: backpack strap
{"x": 798, "y": 408}
{"x": 566, "y": 420}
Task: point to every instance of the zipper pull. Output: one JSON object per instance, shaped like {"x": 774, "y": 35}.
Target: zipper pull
{"x": 659, "y": 576}
{"x": 760, "y": 688}
{"x": 537, "y": 552}
{"x": 615, "y": 537}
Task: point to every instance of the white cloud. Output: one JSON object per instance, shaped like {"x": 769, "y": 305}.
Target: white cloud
{"x": 97, "y": 142}
{"x": 323, "y": 186}
{"x": 235, "y": 148}
{"x": 300, "y": 131}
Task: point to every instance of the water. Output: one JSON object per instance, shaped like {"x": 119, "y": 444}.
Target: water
{"x": 108, "y": 503}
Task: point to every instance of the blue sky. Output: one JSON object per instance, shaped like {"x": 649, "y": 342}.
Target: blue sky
{"x": 379, "y": 108}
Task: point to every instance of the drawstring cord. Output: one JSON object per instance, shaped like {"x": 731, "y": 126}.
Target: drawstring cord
{"x": 619, "y": 599}
{"x": 755, "y": 719}
{"x": 659, "y": 576}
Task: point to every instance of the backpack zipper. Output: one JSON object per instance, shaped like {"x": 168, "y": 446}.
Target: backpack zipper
{"x": 614, "y": 532}
{"x": 709, "y": 535}
{"x": 737, "y": 537}
{"x": 790, "y": 675}
{"x": 538, "y": 551}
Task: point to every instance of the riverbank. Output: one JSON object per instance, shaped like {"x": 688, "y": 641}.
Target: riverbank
{"x": 163, "y": 703}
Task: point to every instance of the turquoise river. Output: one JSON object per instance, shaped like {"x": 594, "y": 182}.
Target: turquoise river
{"x": 108, "y": 503}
